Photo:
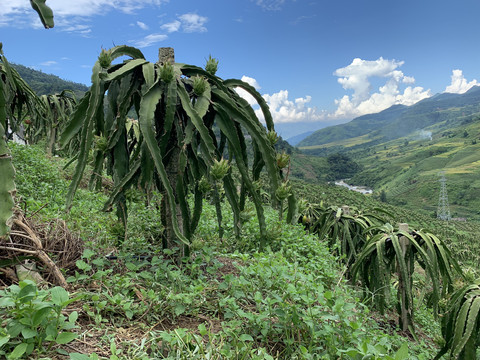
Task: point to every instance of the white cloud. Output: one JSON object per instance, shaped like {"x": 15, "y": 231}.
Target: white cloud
{"x": 67, "y": 26}
{"x": 149, "y": 40}
{"x": 271, "y": 5}
{"x": 282, "y": 109}
{"x": 193, "y": 22}
{"x": 459, "y": 84}
{"x": 14, "y": 6}
{"x": 172, "y": 26}
{"x": 301, "y": 102}
{"x": 286, "y": 111}
{"x": 245, "y": 94}
{"x": 251, "y": 81}
{"x": 188, "y": 23}
{"x": 97, "y": 7}
{"x": 142, "y": 25}
{"x": 79, "y": 7}
{"x": 302, "y": 18}
{"x": 17, "y": 12}
{"x": 49, "y": 63}
{"x": 356, "y": 77}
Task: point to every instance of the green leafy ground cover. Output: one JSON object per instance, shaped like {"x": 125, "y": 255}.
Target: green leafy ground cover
{"x": 228, "y": 301}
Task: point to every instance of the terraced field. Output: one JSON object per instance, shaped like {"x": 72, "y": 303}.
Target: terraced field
{"x": 408, "y": 170}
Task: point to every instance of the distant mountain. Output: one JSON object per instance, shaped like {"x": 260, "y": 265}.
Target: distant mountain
{"x": 402, "y": 150}
{"x": 44, "y": 84}
{"x": 397, "y": 121}
{"x": 294, "y": 140}
{"x": 290, "y": 129}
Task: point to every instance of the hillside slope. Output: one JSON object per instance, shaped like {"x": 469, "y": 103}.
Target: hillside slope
{"x": 402, "y": 151}
{"x": 292, "y": 297}
{"x": 408, "y": 169}
{"x": 396, "y": 121}
{"x": 44, "y": 84}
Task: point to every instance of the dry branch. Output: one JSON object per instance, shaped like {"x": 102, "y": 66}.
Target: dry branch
{"x": 42, "y": 255}
{"x": 50, "y": 243}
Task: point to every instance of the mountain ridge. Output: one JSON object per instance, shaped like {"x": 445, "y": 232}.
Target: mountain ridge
{"x": 399, "y": 120}
{"x": 294, "y": 140}
{"x": 45, "y": 84}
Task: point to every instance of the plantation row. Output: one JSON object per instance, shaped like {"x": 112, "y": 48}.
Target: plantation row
{"x": 460, "y": 236}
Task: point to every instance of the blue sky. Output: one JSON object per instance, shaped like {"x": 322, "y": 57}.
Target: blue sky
{"x": 316, "y": 62}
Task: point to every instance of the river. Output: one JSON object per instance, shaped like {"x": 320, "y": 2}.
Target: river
{"x": 360, "y": 189}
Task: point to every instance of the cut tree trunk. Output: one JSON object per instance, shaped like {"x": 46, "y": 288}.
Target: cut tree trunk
{"x": 167, "y": 55}
{"x": 405, "y": 311}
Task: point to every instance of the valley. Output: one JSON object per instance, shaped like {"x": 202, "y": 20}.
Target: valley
{"x": 406, "y": 165}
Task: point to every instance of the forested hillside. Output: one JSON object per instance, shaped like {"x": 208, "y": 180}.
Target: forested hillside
{"x": 44, "y": 84}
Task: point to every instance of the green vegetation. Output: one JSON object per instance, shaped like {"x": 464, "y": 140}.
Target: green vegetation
{"x": 341, "y": 166}
{"x": 228, "y": 299}
{"x": 46, "y": 84}
{"x": 59, "y": 107}
{"x": 176, "y": 147}
{"x": 201, "y": 260}
{"x": 461, "y": 326}
{"x": 373, "y": 251}
{"x": 460, "y": 236}
{"x": 400, "y": 250}
{"x": 33, "y": 319}
{"x": 44, "y": 13}
{"x": 309, "y": 168}
{"x": 16, "y": 98}
{"x": 405, "y": 167}
{"x": 409, "y": 174}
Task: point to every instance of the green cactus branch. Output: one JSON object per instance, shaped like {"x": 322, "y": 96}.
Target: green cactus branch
{"x": 44, "y": 12}
{"x": 14, "y": 94}
{"x": 7, "y": 185}
{"x": 461, "y": 324}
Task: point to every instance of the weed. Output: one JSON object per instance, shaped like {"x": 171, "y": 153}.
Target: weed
{"x": 34, "y": 319}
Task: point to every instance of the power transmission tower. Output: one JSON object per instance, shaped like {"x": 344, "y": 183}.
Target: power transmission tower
{"x": 443, "y": 210}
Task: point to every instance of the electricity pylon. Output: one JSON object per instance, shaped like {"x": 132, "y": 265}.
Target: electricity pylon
{"x": 443, "y": 210}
